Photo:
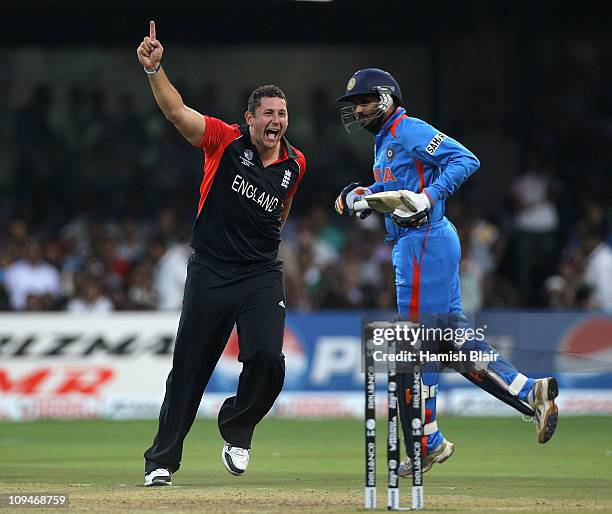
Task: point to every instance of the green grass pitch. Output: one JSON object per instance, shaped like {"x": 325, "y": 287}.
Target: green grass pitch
{"x": 310, "y": 466}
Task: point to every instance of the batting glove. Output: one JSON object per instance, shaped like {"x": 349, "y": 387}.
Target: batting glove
{"x": 416, "y": 212}
{"x": 348, "y": 196}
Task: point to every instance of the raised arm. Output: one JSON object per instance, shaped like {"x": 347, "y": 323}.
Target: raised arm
{"x": 189, "y": 122}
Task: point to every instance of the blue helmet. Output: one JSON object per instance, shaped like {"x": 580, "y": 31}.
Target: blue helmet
{"x": 369, "y": 81}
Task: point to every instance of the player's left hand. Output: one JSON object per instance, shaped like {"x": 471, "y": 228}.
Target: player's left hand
{"x": 345, "y": 202}
{"x": 416, "y": 212}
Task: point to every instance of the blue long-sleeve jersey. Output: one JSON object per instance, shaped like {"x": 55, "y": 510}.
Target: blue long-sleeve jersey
{"x": 411, "y": 154}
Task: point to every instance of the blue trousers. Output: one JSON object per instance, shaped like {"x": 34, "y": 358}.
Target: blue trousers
{"x": 426, "y": 263}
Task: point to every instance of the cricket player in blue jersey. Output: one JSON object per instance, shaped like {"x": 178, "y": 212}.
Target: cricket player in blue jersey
{"x": 427, "y": 167}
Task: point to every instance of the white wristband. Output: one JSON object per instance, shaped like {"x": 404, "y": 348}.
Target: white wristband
{"x": 154, "y": 71}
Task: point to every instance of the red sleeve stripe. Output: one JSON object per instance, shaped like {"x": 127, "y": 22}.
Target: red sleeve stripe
{"x": 419, "y": 167}
{"x": 211, "y": 165}
{"x": 431, "y": 200}
{"x": 217, "y": 133}
{"x": 301, "y": 162}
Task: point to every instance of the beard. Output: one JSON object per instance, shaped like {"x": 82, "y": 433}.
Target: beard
{"x": 375, "y": 125}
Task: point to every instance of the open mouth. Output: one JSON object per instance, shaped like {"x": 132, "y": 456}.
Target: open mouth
{"x": 271, "y": 134}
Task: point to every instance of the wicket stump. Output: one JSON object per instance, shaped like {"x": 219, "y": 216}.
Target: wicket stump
{"x": 413, "y": 397}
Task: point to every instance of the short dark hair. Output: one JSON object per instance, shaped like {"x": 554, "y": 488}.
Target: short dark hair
{"x": 269, "y": 91}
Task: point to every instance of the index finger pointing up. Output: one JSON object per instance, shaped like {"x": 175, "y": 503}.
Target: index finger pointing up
{"x": 152, "y": 29}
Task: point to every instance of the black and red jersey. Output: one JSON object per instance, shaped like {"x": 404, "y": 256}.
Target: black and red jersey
{"x": 240, "y": 199}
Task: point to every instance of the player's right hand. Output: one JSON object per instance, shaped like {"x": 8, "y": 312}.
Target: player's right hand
{"x": 416, "y": 210}
{"x": 409, "y": 219}
{"x": 347, "y": 198}
{"x": 150, "y": 50}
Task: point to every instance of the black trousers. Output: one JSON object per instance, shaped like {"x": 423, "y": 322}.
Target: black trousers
{"x": 217, "y": 297}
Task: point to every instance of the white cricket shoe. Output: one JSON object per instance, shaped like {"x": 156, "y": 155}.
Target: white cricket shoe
{"x": 160, "y": 476}
{"x": 542, "y": 400}
{"x": 444, "y": 450}
{"x": 235, "y": 459}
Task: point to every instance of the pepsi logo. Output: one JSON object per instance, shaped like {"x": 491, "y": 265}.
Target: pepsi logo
{"x": 587, "y": 347}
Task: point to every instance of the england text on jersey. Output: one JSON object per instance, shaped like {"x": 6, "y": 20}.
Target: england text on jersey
{"x": 240, "y": 199}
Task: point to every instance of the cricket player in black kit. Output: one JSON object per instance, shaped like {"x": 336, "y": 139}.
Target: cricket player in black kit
{"x": 233, "y": 276}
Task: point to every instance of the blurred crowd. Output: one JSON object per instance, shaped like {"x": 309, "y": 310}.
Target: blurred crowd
{"x": 98, "y": 215}
{"x": 101, "y": 265}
